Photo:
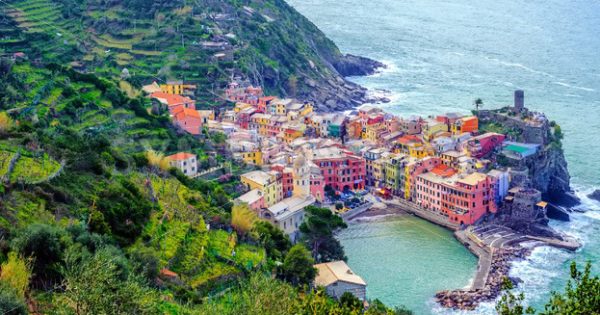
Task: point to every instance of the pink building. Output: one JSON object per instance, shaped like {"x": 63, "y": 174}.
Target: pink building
{"x": 287, "y": 179}
{"x": 317, "y": 187}
{"x": 254, "y": 199}
{"x": 173, "y": 101}
{"x": 341, "y": 169}
{"x": 463, "y": 199}
{"x": 482, "y": 145}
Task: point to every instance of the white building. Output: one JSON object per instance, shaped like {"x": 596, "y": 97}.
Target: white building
{"x": 288, "y": 214}
{"x": 185, "y": 162}
{"x": 337, "y": 278}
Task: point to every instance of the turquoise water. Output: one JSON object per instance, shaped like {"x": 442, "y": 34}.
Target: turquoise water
{"x": 407, "y": 260}
{"x": 444, "y": 54}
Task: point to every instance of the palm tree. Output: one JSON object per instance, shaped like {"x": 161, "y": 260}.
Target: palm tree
{"x": 478, "y": 103}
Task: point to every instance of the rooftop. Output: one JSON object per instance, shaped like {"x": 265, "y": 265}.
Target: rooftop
{"x": 259, "y": 177}
{"x": 181, "y": 156}
{"x": 251, "y": 196}
{"x": 289, "y": 206}
{"x": 331, "y": 272}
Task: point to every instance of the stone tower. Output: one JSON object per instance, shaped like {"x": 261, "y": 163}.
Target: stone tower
{"x": 519, "y": 101}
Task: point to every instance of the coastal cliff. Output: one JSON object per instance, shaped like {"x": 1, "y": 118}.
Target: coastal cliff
{"x": 547, "y": 169}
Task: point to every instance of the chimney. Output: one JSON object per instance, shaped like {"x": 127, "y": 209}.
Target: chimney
{"x": 519, "y": 100}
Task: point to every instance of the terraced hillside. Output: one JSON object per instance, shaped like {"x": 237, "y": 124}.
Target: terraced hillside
{"x": 204, "y": 42}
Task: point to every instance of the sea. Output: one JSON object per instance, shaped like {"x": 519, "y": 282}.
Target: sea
{"x": 440, "y": 56}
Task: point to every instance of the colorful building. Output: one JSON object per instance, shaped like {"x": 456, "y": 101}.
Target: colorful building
{"x": 173, "y": 101}
{"x": 187, "y": 163}
{"x": 468, "y": 124}
{"x": 429, "y": 128}
{"x": 188, "y": 120}
{"x": 341, "y": 169}
{"x": 463, "y": 199}
{"x": 482, "y": 145}
{"x": 176, "y": 87}
{"x": 269, "y": 183}
{"x": 254, "y": 199}
{"x": 394, "y": 166}
{"x": 253, "y": 157}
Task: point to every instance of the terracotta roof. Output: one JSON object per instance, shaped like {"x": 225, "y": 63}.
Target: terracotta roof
{"x": 171, "y": 99}
{"x": 443, "y": 170}
{"x": 334, "y": 271}
{"x": 186, "y": 112}
{"x": 181, "y": 156}
{"x": 409, "y": 139}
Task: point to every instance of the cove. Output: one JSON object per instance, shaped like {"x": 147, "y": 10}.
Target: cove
{"x": 406, "y": 260}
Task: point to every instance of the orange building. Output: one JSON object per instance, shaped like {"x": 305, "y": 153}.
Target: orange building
{"x": 466, "y": 124}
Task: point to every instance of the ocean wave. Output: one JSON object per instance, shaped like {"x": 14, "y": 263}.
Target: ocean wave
{"x": 390, "y": 67}
{"x": 573, "y": 86}
{"x": 518, "y": 65}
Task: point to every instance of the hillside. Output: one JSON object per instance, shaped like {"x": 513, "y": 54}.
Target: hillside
{"x": 204, "y": 42}
{"x": 92, "y": 222}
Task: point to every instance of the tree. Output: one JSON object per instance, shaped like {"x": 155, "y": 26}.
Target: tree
{"x": 581, "y": 296}
{"x": 45, "y": 245}
{"x": 6, "y": 123}
{"x": 510, "y": 304}
{"x": 478, "y": 103}
{"x": 10, "y": 303}
{"x": 157, "y": 160}
{"x": 15, "y": 272}
{"x": 275, "y": 242}
{"x": 318, "y": 228}
{"x": 242, "y": 218}
{"x": 298, "y": 266}
{"x": 350, "y": 302}
{"x": 101, "y": 283}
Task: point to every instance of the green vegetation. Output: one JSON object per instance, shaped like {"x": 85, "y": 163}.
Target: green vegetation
{"x": 318, "y": 228}
{"x": 113, "y": 226}
{"x": 581, "y": 296}
{"x": 171, "y": 40}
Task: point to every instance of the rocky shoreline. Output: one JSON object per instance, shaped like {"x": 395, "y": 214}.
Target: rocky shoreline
{"x": 500, "y": 265}
{"x": 338, "y": 93}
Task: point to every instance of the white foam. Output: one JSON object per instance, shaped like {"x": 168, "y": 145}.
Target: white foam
{"x": 518, "y": 65}
{"x": 574, "y": 86}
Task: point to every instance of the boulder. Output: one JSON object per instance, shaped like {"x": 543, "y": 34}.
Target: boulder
{"x": 595, "y": 195}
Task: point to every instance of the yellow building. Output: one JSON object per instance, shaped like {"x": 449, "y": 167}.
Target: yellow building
{"x": 176, "y": 87}
{"x": 431, "y": 127}
{"x": 239, "y": 106}
{"x": 254, "y": 157}
{"x": 307, "y": 109}
{"x": 268, "y": 183}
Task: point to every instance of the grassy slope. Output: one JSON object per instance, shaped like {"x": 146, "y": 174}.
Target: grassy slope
{"x": 175, "y": 230}
{"x": 267, "y": 40}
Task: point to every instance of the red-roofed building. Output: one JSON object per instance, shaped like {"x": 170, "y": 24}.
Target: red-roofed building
{"x": 443, "y": 170}
{"x": 187, "y": 163}
{"x": 174, "y": 101}
{"x": 188, "y": 120}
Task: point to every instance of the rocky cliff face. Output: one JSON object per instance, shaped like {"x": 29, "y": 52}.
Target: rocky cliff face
{"x": 549, "y": 174}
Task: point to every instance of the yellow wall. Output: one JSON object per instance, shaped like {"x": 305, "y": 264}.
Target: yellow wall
{"x": 254, "y": 157}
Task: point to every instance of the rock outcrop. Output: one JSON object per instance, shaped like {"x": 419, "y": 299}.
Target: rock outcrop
{"x": 595, "y": 195}
{"x": 470, "y": 299}
{"x": 351, "y": 65}
{"x": 549, "y": 174}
